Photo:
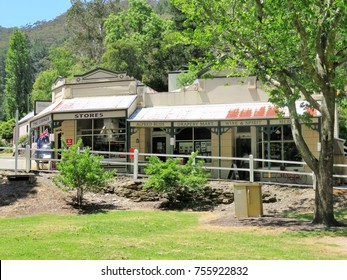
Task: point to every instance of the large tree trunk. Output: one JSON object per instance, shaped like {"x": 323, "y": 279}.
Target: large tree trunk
{"x": 324, "y": 204}
{"x": 323, "y": 166}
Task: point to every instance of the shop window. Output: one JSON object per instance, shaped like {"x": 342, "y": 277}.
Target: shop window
{"x": 103, "y": 134}
{"x": 243, "y": 129}
{"x": 276, "y": 143}
{"x": 194, "y": 139}
{"x": 202, "y": 133}
{"x": 185, "y": 134}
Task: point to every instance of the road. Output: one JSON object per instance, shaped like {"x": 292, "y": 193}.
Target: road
{"x": 8, "y": 163}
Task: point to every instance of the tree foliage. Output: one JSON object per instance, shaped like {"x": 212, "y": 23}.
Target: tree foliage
{"x": 6, "y": 129}
{"x": 176, "y": 180}
{"x": 298, "y": 47}
{"x": 81, "y": 171}
{"x": 18, "y": 75}
{"x": 144, "y": 33}
{"x": 85, "y": 23}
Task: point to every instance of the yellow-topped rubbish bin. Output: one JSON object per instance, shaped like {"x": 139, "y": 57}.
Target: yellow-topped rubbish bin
{"x": 248, "y": 200}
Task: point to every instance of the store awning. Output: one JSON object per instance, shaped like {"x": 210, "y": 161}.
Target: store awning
{"x": 240, "y": 111}
{"x": 88, "y": 104}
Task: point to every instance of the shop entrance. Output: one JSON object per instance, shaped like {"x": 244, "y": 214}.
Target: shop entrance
{"x": 243, "y": 147}
{"x": 159, "y": 145}
{"x": 243, "y": 150}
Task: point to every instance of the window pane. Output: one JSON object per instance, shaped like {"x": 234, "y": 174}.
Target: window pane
{"x": 291, "y": 153}
{"x": 202, "y": 133}
{"x": 185, "y": 134}
{"x": 287, "y": 133}
{"x": 87, "y": 141}
{"x": 276, "y": 133}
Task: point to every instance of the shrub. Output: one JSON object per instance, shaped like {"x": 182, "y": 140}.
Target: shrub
{"x": 179, "y": 182}
{"x": 6, "y": 129}
{"x": 23, "y": 140}
{"x": 81, "y": 171}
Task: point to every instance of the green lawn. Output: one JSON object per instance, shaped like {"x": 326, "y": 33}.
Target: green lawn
{"x": 142, "y": 235}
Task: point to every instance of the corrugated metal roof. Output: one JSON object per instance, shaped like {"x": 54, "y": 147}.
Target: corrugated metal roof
{"x": 89, "y": 104}
{"x": 26, "y": 117}
{"x": 261, "y": 110}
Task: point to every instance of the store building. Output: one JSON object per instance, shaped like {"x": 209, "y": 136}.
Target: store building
{"x": 220, "y": 117}
{"x": 94, "y": 106}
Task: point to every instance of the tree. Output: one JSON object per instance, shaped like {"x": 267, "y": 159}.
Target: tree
{"x": 143, "y": 31}
{"x": 19, "y": 78}
{"x": 123, "y": 56}
{"x": 297, "y": 46}
{"x": 81, "y": 171}
{"x": 42, "y": 88}
{"x": 85, "y": 23}
{"x": 6, "y": 129}
{"x": 62, "y": 63}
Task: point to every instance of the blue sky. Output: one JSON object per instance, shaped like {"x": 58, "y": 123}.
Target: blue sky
{"x": 17, "y": 13}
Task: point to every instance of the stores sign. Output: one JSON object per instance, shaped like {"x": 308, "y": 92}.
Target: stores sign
{"x": 89, "y": 115}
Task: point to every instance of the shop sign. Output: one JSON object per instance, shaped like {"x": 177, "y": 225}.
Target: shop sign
{"x": 280, "y": 121}
{"x": 40, "y": 106}
{"x": 196, "y": 124}
{"x": 89, "y": 115}
{"x": 42, "y": 121}
{"x": 243, "y": 123}
{"x": 68, "y": 141}
{"x": 150, "y": 124}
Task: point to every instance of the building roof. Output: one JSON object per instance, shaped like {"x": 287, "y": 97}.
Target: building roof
{"x": 86, "y": 104}
{"x": 260, "y": 110}
{"x": 26, "y": 118}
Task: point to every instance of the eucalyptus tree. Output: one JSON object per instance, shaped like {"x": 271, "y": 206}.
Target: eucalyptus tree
{"x": 299, "y": 46}
{"x": 19, "y": 78}
{"x": 85, "y": 23}
{"x": 144, "y": 33}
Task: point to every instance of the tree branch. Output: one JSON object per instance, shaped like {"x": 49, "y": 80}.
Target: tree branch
{"x": 306, "y": 153}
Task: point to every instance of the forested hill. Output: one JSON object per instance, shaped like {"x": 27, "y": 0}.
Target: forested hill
{"x": 48, "y": 32}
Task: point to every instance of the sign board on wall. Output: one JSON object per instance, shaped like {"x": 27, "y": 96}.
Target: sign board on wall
{"x": 89, "y": 115}
{"x": 68, "y": 141}
{"x": 40, "y": 105}
{"x": 41, "y": 121}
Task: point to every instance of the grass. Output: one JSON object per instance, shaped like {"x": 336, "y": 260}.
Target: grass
{"x": 135, "y": 235}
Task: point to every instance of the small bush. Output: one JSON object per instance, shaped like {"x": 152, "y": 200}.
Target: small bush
{"x": 178, "y": 182}
{"x": 81, "y": 171}
{"x": 23, "y": 140}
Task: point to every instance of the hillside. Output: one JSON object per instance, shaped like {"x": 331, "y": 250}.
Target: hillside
{"x": 48, "y": 32}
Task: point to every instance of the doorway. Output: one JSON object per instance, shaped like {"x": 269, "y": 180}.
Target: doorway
{"x": 159, "y": 146}
{"x": 243, "y": 146}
